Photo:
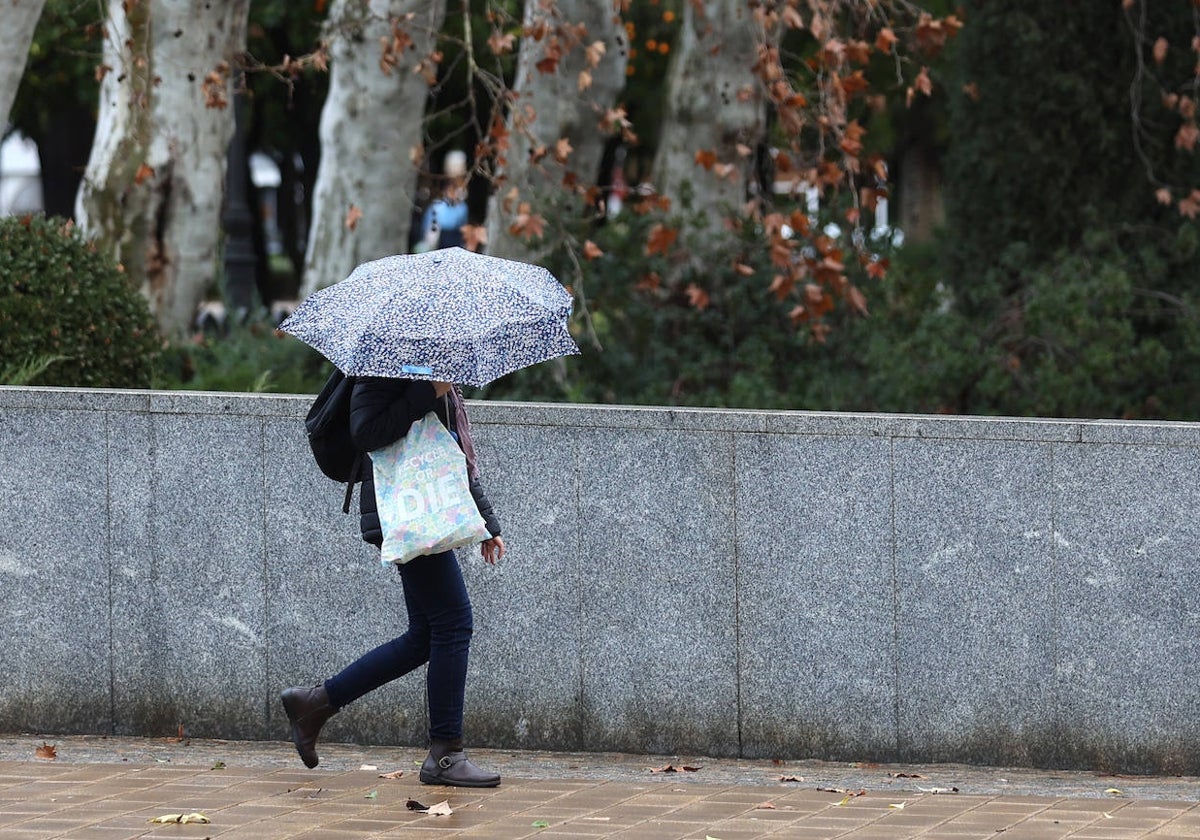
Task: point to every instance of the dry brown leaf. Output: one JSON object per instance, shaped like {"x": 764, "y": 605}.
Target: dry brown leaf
{"x": 501, "y": 43}
{"x": 885, "y": 40}
{"x": 1190, "y": 205}
{"x": 726, "y": 170}
{"x": 527, "y": 225}
{"x": 46, "y": 751}
{"x": 395, "y": 774}
{"x": 1187, "y": 136}
{"x": 660, "y": 239}
{"x": 595, "y": 52}
{"x": 1160, "y": 50}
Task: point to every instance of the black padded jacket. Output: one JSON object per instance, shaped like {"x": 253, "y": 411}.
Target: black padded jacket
{"x": 381, "y": 412}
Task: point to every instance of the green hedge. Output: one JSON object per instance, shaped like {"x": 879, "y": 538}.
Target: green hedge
{"x": 68, "y": 315}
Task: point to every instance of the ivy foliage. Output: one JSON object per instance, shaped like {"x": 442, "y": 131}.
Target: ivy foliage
{"x": 68, "y": 315}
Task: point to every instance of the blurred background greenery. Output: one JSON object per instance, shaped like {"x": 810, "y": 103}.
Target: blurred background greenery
{"x": 1033, "y": 270}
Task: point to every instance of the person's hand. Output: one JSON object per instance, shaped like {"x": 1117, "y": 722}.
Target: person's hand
{"x": 441, "y": 389}
{"x": 492, "y": 550}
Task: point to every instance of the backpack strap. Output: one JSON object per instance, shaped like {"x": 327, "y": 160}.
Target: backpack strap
{"x": 350, "y": 484}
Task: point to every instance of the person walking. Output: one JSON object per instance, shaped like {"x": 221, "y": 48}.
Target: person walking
{"x": 440, "y": 620}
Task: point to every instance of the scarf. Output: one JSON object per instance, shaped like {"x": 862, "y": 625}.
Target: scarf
{"x": 463, "y": 426}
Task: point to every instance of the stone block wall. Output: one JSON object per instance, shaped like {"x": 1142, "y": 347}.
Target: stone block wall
{"x": 679, "y": 581}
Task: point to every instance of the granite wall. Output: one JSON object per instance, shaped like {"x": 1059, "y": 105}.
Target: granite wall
{"x": 726, "y": 583}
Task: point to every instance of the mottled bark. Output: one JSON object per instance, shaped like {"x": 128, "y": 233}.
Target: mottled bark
{"x": 553, "y": 106}
{"x": 363, "y": 197}
{"x": 155, "y": 180}
{"x": 715, "y": 104}
{"x": 18, "y": 20}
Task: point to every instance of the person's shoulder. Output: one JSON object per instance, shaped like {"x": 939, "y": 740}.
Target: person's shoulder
{"x": 381, "y": 384}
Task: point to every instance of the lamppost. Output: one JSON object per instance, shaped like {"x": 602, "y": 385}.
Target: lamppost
{"x": 241, "y": 261}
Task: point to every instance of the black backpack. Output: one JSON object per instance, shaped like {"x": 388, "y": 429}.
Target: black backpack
{"x": 328, "y": 427}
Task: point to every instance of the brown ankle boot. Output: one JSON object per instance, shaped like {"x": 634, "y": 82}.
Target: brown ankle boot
{"x": 447, "y": 764}
{"x": 307, "y": 709}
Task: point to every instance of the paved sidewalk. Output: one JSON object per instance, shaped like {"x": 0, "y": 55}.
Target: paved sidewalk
{"x": 110, "y": 788}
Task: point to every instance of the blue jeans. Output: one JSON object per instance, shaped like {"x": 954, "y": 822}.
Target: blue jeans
{"x": 439, "y": 632}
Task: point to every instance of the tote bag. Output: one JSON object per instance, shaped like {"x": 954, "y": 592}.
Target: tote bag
{"x": 424, "y": 500}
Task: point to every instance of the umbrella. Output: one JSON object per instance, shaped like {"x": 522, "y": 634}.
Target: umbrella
{"x": 448, "y": 315}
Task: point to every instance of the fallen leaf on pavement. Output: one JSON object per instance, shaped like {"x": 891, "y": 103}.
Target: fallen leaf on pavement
{"x": 899, "y": 806}
{"x": 766, "y": 806}
{"x": 220, "y": 765}
{"x": 395, "y": 774}
{"x": 372, "y": 795}
{"x": 791, "y": 778}
{"x": 849, "y": 794}
{"x": 46, "y": 751}
{"x": 181, "y": 818}
{"x": 938, "y": 790}
{"x": 442, "y": 809}
{"x": 906, "y": 775}
{"x": 1113, "y": 791}
{"x": 671, "y": 768}
{"x": 540, "y": 824}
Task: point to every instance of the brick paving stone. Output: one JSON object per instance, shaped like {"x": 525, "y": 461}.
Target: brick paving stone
{"x": 108, "y": 789}
{"x": 582, "y": 828}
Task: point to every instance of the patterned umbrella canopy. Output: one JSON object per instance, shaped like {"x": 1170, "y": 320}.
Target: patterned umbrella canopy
{"x": 449, "y": 315}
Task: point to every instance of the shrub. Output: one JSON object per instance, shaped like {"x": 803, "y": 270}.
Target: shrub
{"x": 68, "y": 315}
{"x": 250, "y": 358}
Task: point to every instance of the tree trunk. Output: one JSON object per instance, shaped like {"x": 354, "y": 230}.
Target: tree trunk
{"x": 715, "y": 105}
{"x": 18, "y": 20}
{"x": 568, "y": 103}
{"x": 155, "y": 180}
{"x": 372, "y": 119}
